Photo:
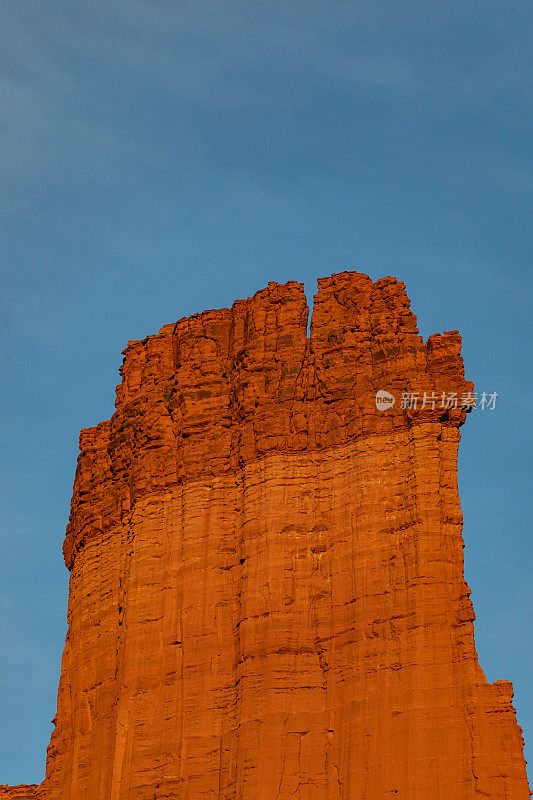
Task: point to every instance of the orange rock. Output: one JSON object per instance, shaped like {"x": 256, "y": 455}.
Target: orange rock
{"x": 267, "y": 597}
{"x": 20, "y": 792}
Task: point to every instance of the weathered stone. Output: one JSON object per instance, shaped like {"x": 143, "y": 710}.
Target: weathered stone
{"x": 267, "y": 597}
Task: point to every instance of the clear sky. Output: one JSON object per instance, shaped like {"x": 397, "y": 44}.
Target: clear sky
{"x": 162, "y": 157}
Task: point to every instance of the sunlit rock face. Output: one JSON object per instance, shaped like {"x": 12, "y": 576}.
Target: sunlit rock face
{"x": 267, "y": 597}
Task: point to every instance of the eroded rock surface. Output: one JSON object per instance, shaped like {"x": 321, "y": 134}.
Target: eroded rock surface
{"x": 267, "y": 597}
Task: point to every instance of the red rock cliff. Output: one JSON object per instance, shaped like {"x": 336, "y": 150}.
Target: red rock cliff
{"x": 267, "y": 597}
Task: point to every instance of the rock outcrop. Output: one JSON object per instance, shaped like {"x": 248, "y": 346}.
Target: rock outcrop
{"x": 267, "y": 597}
{"x": 27, "y": 792}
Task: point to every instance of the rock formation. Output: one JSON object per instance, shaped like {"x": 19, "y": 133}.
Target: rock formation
{"x": 267, "y": 597}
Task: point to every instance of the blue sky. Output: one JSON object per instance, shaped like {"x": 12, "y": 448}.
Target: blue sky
{"x": 158, "y": 158}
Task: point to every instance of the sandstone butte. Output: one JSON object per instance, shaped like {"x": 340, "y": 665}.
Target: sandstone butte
{"x": 267, "y": 597}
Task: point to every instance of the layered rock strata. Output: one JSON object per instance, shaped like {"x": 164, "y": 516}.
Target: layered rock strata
{"x": 267, "y": 597}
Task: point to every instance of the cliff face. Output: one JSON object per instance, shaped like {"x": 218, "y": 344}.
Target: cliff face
{"x": 267, "y": 597}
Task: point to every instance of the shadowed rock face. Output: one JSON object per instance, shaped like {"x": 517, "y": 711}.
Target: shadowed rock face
{"x": 267, "y": 597}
